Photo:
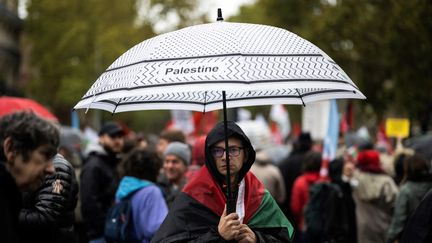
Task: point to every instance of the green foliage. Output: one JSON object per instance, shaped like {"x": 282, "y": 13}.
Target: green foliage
{"x": 384, "y": 46}
{"x": 73, "y": 42}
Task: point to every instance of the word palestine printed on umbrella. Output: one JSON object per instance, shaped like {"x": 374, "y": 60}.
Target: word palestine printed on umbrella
{"x": 184, "y": 70}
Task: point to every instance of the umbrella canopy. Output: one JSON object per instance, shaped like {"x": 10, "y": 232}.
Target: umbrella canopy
{"x": 219, "y": 65}
{"x": 14, "y": 104}
{"x": 234, "y": 57}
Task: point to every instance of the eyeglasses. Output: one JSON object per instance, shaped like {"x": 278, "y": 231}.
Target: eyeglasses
{"x": 232, "y": 151}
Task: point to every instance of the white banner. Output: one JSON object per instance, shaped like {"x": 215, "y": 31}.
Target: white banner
{"x": 183, "y": 120}
{"x": 315, "y": 119}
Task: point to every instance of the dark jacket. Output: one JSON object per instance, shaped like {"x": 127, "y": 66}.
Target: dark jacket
{"x": 291, "y": 168}
{"x": 10, "y": 205}
{"x": 419, "y": 226}
{"x": 48, "y": 213}
{"x": 196, "y": 212}
{"x": 99, "y": 180}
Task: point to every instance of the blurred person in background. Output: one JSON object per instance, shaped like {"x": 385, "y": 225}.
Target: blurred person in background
{"x": 374, "y": 196}
{"x": 168, "y": 136}
{"x": 300, "y": 190}
{"x": 418, "y": 228}
{"x": 99, "y": 179}
{"x": 28, "y": 145}
{"x": 177, "y": 158}
{"x": 72, "y": 143}
{"x": 270, "y": 175}
{"x": 343, "y": 228}
{"x": 417, "y": 181}
{"x": 48, "y": 213}
{"x": 139, "y": 170}
{"x": 291, "y": 168}
{"x": 198, "y": 157}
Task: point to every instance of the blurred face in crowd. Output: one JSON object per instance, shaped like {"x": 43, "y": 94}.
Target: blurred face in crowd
{"x": 174, "y": 168}
{"x": 161, "y": 146}
{"x": 236, "y": 155}
{"x": 28, "y": 174}
{"x": 348, "y": 169}
{"x": 114, "y": 142}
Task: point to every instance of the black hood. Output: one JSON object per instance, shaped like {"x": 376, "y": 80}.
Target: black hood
{"x": 216, "y": 135}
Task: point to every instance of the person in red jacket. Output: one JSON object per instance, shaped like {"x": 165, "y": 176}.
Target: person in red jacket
{"x": 300, "y": 191}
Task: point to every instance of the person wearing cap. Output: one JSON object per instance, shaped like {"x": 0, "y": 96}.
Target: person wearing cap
{"x": 177, "y": 157}
{"x": 199, "y": 212}
{"x": 99, "y": 179}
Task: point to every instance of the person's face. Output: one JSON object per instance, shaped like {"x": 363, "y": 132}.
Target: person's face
{"x": 236, "y": 161}
{"x": 348, "y": 169}
{"x": 30, "y": 174}
{"x": 161, "y": 146}
{"x": 174, "y": 168}
{"x": 114, "y": 142}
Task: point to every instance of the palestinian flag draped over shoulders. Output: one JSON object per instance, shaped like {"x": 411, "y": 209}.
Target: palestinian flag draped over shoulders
{"x": 199, "y": 206}
{"x": 196, "y": 212}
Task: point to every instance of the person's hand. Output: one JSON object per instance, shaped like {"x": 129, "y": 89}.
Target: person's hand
{"x": 229, "y": 225}
{"x": 246, "y": 235}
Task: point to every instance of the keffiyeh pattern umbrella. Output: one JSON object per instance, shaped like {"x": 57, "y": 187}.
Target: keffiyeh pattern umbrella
{"x": 219, "y": 65}
{"x": 235, "y": 57}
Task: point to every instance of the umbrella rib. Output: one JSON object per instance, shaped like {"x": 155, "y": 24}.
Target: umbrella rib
{"x": 115, "y": 108}
{"x": 300, "y": 97}
{"x": 205, "y": 101}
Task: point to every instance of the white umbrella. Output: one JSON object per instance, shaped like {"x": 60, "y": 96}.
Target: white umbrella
{"x": 220, "y": 56}
{"x": 218, "y": 65}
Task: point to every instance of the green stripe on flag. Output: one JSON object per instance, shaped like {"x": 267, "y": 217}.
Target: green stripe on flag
{"x": 269, "y": 215}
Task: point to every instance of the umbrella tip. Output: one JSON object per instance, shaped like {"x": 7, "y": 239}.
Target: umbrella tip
{"x": 219, "y": 15}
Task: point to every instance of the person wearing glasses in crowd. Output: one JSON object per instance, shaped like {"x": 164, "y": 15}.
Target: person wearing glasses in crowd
{"x": 199, "y": 212}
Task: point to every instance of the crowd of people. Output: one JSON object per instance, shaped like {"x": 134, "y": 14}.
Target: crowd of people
{"x": 179, "y": 190}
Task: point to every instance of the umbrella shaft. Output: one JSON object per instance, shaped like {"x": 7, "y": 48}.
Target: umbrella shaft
{"x": 231, "y": 202}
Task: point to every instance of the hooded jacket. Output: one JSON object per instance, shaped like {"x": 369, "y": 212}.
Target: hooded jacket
{"x": 148, "y": 206}
{"x": 195, "y": 214}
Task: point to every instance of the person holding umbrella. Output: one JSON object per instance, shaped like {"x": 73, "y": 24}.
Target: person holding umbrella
{"x": 199, "y": 212}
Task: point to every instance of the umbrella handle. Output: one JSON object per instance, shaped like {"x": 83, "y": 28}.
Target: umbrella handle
{"x": 231, "y": 205}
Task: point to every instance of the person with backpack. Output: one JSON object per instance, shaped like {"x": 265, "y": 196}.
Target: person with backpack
{"x": 140, "y": 206}
{"x": 330, "y": 212}
{"x": 300, "y": 191}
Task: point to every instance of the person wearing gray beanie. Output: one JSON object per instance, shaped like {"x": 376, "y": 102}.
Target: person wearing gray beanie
{"x": 177, "y": 157}
{"x": 180, "y": 150}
